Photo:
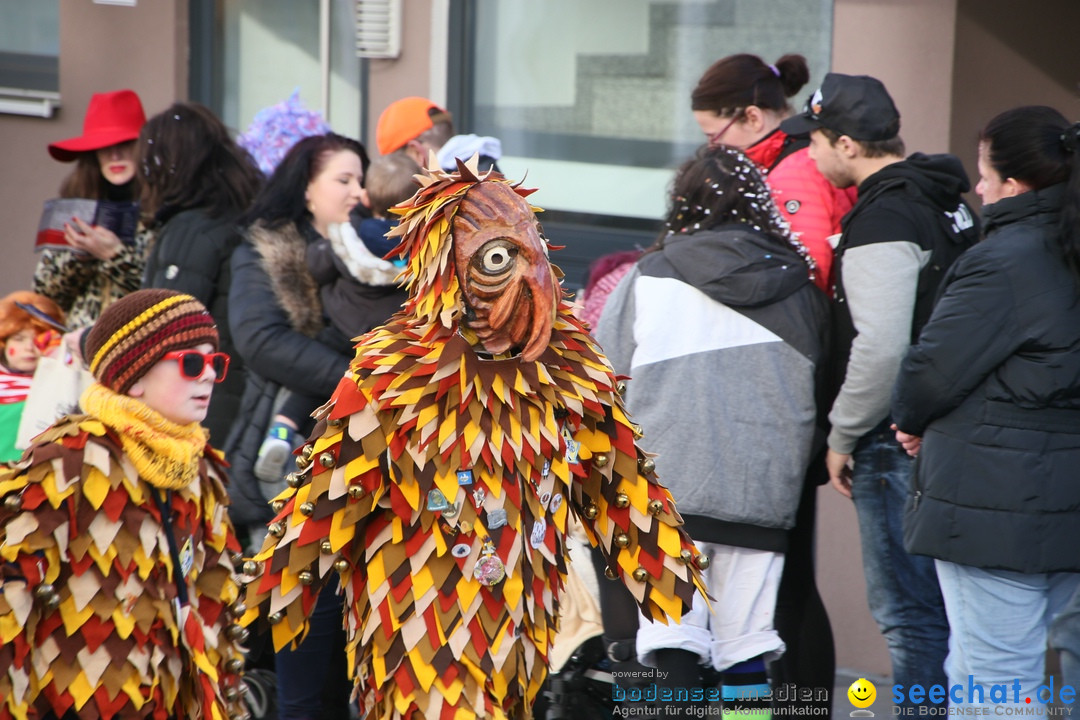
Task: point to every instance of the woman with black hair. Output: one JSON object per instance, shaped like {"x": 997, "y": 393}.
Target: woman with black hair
{"x": 722, "y": 330}
{"x": 989, "y": 400}
{"x": 196, "y": 182}
{"x": 278, "y": 327}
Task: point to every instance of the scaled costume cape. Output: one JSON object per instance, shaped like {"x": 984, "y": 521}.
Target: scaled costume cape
{"x": 441, "y": 474}
{"x": 91, "y": 618}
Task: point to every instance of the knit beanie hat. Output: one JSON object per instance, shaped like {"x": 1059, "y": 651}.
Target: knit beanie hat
{"x": 137, "y": 330}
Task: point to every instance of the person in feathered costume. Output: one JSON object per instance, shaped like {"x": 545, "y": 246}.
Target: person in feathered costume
{"x": 118, "y": 596}
{"x": 441, "y": 475}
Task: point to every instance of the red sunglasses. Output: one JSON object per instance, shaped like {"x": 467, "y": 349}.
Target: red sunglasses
{"x": 193, "y": 363}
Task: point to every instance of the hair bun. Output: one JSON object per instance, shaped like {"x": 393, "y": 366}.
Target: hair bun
{"x": 793, "y": 72}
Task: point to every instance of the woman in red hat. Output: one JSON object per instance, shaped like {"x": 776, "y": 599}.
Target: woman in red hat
{"x": 100, "y": 267}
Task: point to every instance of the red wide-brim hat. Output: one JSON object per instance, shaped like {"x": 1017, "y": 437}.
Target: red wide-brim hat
{"x": 112, "y": 118}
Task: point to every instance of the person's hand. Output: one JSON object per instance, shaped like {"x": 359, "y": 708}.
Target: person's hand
{"x": 839, "y": 467}
{"x": 99, "y": 242}
{"x": 910, "y": 443}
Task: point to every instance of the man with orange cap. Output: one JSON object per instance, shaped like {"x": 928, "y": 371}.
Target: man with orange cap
{"x": 417, "y": 126}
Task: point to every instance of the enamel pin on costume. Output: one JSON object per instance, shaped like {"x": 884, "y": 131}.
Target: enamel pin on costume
{"x": 430, "y": 482}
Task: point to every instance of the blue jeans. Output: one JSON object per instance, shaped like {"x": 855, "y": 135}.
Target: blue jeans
{"x": 1000, "y": 621}
{"x": 312, "y": 679}
{"x": 902, "y": 589}
{"x": 1065, "y": 638}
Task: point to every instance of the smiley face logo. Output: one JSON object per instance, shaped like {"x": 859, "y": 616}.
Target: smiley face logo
{"x": 862, "y": 693}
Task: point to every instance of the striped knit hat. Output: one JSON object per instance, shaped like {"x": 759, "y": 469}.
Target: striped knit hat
{"x": 136, "y": 331}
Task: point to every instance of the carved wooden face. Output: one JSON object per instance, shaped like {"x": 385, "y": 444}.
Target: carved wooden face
{"x": 510, "y": 291}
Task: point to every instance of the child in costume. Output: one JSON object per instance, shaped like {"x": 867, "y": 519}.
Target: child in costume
{"x": 117, "y": 590}
{"x": 25, "y": 338}
{"x": 441, "y": 475}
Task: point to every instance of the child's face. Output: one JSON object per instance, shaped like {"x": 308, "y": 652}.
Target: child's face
{"x": 165, "y": 389}
{"x": 20, "y": 352}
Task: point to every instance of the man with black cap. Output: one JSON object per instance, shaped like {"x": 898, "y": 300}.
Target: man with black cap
{"x": 909, "y": 224}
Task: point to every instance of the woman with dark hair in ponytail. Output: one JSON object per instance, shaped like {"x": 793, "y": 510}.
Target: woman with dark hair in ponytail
{"x": 989, "y": 399}
{"x": 740, "y": 101}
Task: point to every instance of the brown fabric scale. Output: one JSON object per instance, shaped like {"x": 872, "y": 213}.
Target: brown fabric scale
{"x": 441, "y": 475}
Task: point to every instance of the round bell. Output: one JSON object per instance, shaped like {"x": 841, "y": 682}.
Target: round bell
{"x": 52, "y": 602}
{"x": 702, "y": 561}
{"x": 356, "y": 491}
{"x": 620, "y": 387}
{"x": 622, "y": 500}
{"x": 306, "y": 451}
{"x": 640, "y": 574}
{"x": 638, "y": 431}
{"x": 305, "y": 577}
{"x": 236, "y": 558}
{"x": 686, "y": 557}
{"x": 600, "y": 460}
{"x": 237, "y": 633}
{"x": 278, "y": 505}
{"x": 621, "y": 540}
{"x": 591, "y": 511}
{"x": 234, "y": 666}
{"x": 326, "y": 459}
{"x": 302, "y": 462}
{"x": 232, "y": 694}
{"x": 307, "y": 509}
{"x": 610, "y": 574}
{"x": 647, "y": 465}
{"x": 275, "y": 618}
{"x": 276, "y": 529}
{"x": 335, "y": 422}
{"x": 326, "y": 548}
{"x": 341, "y": 565}
{"x": 44, "y": 590}
{"x": 656, "y": 507}
{"x": 294, "y": 480}
{"x": 13, "y": 503}
{"x": 250, "y": 567}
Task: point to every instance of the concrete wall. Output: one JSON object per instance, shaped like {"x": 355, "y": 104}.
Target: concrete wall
{"x": 102, "y": 47}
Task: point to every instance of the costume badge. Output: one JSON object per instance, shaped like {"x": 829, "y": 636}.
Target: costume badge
{"x": 479, "y": 495}
{"x": 539, "y": 529}
{"x": 489, "y": 569}
{"x": 556, "y": 502}
{"x": 496, "y": 518}
{"x": 187, "y": 558}
{"x": 436, "y": 501}
{"x": 571, "y": 446}
{"x": 464, "y": 477}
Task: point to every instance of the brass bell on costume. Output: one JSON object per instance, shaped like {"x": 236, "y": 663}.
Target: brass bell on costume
{"x": 307, "y": 509}
{"x": 656, "y": 507}
{"x": 13, "y": 503}
{"x": 620, "y": 387}
{"x": 275, "y": 618}
{"x": 356, "y": 491}
{"x": 234, "y": 666}
{"x": 638, "y": 431}
{"x": 294, "y": 480}
{"x": 610, "y": 574}
{"x": 600, "y": 460}
{"x": 640, "y": 574}
{"x": 341, "y": 565}
{"x": 327, "y": 459}
{"x": 686, "y": 557}
{"x": 647, "y": 465}
{"x": 591, "y": 511}
{"x": 278, "y": 505}
{"x": 237, "y": 633}
{"x": 305, "y": 577}
{"x": 621, "y": 540}
{"x": 622, "y": 500}
{"x": 702, "y": 561}
{"x": 326, "y": 548}
{"x": 237, "y": 609}
{"x": 44, "y": 590}
{"x": 276, "y": 529}
{"x": 335, "y": 422}
{"x": 251, "y": 567}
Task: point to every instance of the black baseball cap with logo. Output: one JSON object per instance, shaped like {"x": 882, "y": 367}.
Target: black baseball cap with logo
{"x": 854, "y": 105}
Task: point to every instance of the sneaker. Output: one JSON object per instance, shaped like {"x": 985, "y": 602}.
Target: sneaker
{"x": 274, "y": 453}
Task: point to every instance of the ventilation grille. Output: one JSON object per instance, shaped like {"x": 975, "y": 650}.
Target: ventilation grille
{"x": 378, "y": 28}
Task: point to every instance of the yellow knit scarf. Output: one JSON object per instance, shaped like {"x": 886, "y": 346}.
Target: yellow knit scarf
{"x": 165, "y": 453}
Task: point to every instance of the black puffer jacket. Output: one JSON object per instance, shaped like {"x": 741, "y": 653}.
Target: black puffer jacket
{"x": 277, "y": 325}
{"x": 190, "y": 254}
{"x": 993, "y": 387}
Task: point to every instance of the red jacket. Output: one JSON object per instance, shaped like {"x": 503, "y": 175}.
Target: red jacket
{"x": 811, "y": 204}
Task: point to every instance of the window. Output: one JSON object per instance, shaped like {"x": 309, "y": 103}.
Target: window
{"x": 592, "y": 97}
{"x": 30, "y": 57}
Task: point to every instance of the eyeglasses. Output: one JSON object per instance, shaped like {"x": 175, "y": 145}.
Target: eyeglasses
{"x": 193, "y": 363}
{"x": 714, "y": 138}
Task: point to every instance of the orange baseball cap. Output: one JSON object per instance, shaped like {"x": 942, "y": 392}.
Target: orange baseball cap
{"x": 405, "y": 120}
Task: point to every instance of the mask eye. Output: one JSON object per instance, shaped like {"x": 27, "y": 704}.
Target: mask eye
{"x": 497, "y": 257}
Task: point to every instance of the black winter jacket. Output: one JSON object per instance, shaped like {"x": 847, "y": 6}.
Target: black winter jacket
{"x": 993, "y": 387}
{"x": 277, "y": 325}
{"x": 190, "y": 254}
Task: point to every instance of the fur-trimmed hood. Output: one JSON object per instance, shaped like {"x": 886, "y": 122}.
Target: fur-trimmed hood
{"x": 283, "y": 256}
